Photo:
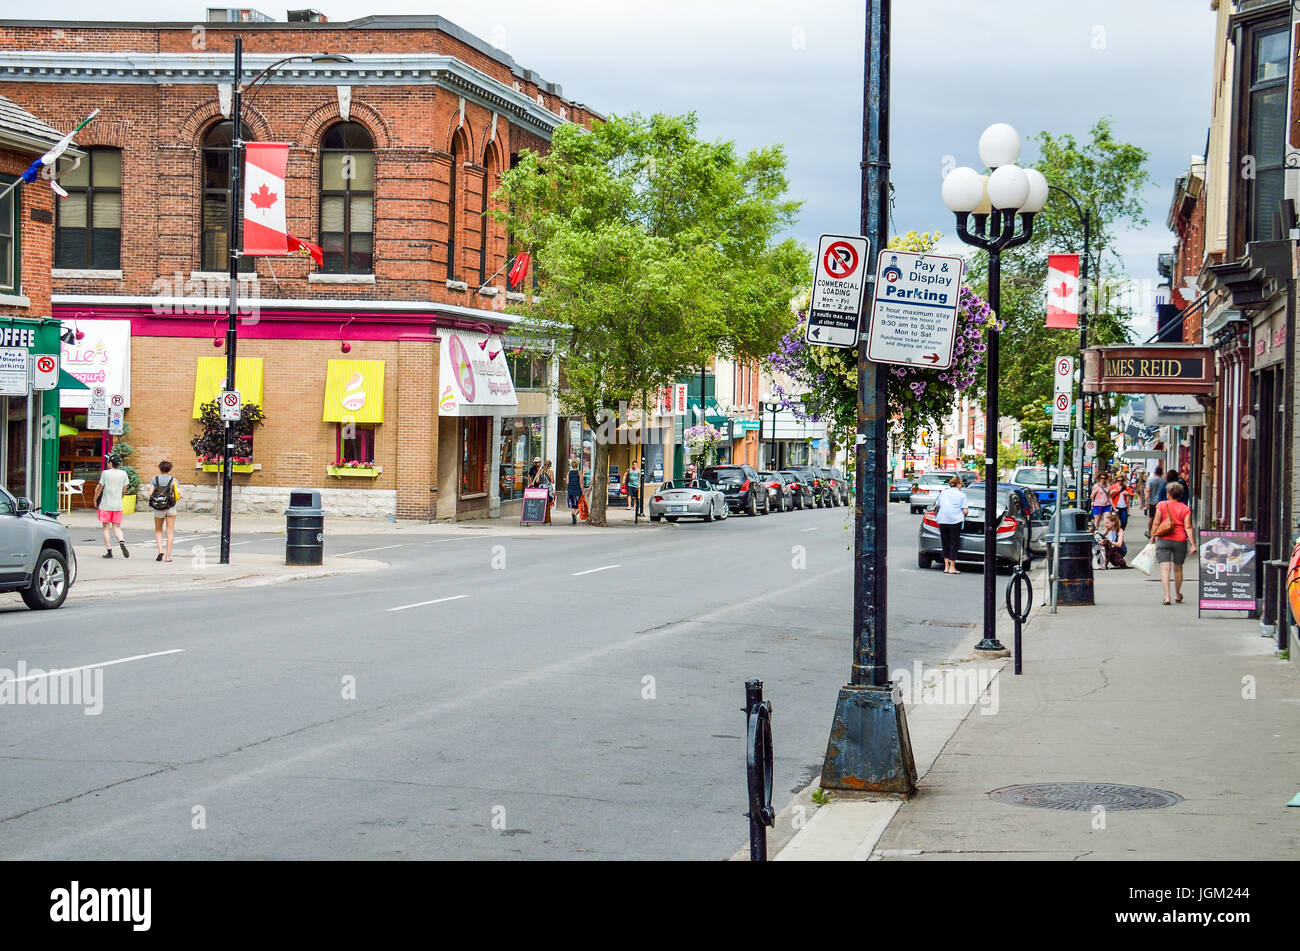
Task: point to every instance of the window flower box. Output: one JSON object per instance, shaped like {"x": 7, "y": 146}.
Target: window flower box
{"x": 345, "y": 471}
{"x": 237, "y": 466}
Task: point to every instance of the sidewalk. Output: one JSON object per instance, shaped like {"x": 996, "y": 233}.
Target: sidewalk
{"x": 1127, "y": 691}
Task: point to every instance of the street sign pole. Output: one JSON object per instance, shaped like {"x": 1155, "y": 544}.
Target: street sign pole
{"x": 1060, "y": 505}
{"x": 869, "y": 749}
{"x": 1063, "y": 389}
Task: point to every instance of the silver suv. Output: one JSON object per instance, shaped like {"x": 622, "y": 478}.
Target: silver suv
{"x": 36, "y": 554}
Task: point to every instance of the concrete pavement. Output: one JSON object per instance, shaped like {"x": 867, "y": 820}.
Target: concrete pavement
{"x": 1127, "y": 691}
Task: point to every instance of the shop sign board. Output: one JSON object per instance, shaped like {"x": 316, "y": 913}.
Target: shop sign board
{"x": 533, "y": 510}
{"x": 1226, "y": 571}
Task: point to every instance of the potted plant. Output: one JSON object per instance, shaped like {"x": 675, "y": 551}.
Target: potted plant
{"x": 209, "y": 445}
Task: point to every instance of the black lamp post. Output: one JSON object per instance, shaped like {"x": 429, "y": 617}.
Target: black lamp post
{"x": 994, "y": 201}
{"x": 772, "y": 406}
{"x": 233, "y": 200}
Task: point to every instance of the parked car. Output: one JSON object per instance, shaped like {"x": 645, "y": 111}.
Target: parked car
{"x": 839, "y": 486}
{"x": 821, "y": 486}
{"x": 802, "y": 494}
{"x": 900, "y": 490}
{"x": 968, "y": 476}
{"x": 692, "y": 498}
{"x": 780, "y": 494}
{"x": 1013, "y": 530}
{"x": 744, "y": 490}
{"x": 926, "y": 488}
{"x": 618, "y": 492}
{"x": 36, "y": 555}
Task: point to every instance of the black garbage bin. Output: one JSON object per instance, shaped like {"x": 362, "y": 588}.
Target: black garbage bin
{"x": 304, "y": 528}
{"x": 1076, "y": 543}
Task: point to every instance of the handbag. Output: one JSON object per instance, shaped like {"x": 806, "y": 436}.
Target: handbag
{"x": 1163, "y": 524}
{"x": 1145, "y": 561}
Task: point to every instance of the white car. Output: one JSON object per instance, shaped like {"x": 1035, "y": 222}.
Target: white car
{"x": 688, "y": 499}
{"x": 926, "y": 489}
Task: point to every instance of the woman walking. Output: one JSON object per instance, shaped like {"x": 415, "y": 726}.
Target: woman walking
{"x": 1120, "y": 496}
{"x": 951, "y": 514}
{"x": 574, "y": 489}
{"x": 164, "y": 493}
{"x": 1100, "y": 501}
{"x": 1172, "y": 530}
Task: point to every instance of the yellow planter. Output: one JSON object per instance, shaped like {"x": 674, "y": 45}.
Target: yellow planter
{"x": 367, "y": 472}
{"x": 128, "y": 503}
{"x": 236, "y": 467}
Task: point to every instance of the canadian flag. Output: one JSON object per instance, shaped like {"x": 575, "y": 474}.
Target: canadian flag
{"x": 1063, "y": 290}
{"x": 265, "y": 230}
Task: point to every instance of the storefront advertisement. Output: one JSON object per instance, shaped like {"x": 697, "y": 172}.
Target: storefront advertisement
{"x": 474, "y": 377}
{"x": 101, "y": 357}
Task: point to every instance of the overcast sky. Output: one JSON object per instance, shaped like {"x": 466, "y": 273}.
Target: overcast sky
{"x": 775, "y": 71}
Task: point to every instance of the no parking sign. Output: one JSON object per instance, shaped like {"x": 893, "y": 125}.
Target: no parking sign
{"x": 229, "y": 405}
{"x": 45, "y": 371}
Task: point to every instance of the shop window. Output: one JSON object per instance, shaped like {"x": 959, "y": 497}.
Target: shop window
{"x": 473, "y": 454}
{"x": 10, "y": 253}
{"x": 522, "y": 441}
{"x": 214, "y": 252}
{"x": 452, "y": 186}
{"x": 354, "y": 443}
{"x": 527, "y": 371}
{"x": 347, "y": 199}
{"x": 1266, "y": 132}
{"x": 88, "y": 232}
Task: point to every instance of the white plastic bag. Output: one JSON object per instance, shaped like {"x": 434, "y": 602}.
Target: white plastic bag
{"x": 1145, "y": 561}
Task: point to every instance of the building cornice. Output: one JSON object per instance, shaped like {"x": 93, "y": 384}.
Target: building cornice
{"x": 366, "y": 69}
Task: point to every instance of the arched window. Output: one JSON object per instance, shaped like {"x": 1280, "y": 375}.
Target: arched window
{"x": 489, "y": 172}
{"x": 214, "y": 244}
{"x": 88, "y": 233}
{"x": 456, "y": 155}
{"x": 347, "y": 199}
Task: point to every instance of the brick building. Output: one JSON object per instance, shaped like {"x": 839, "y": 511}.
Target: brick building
{"x": 394, "y": 155}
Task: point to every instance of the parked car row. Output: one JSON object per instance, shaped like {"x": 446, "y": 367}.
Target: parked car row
{"x": 741, "y": 489}
{"x": 1022, "y": 523}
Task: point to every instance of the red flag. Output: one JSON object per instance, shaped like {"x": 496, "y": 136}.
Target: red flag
{"x": 520, "y": 269}
{"x": 298, "y": 246}
{"x": 264, "y": 220}
{"x": 1063, "y": 290}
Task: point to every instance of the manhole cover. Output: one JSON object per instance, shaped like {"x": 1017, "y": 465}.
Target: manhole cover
{"x": 1082, "y": 797}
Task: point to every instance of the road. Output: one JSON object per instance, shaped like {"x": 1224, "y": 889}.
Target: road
{"x": 484, "y": 697}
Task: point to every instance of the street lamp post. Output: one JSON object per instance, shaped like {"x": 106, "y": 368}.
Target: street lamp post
{"x": 994, "y": 201}
{"x": 771, "y": 405}
{"x": 233, "y": 198}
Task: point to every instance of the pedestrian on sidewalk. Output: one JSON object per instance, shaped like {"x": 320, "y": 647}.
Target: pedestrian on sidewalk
{"x": 164, "y": 493}
{"x": 532, "y": 470}
{"x": 546, "y": 480}
{"x": 951, "y": 515}
{"x": 108, "y": 500}
{"x": 1120, "y": 496}
{"x": 1155, "y": 495}
{"x": 1112, "y": 541}
{"x": 575, "y": 490}
{"x": 1172, "y": 530}
{"x": 1100, "y": 501}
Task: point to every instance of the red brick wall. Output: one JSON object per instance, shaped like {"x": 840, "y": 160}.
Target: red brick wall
{"x": 1188, "y": 261}
{"x": 36, "y": 237}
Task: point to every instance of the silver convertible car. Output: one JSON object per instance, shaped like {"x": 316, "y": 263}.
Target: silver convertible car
{"x": 688, "y": 499}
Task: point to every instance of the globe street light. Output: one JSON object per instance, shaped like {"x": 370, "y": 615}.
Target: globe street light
{"x": 993, "y": 204}
{"x": 771, "y": 405}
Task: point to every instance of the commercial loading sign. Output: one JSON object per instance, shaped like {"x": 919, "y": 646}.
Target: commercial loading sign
{"x": 835, "y": 311}
{"x": 914, "y": 316}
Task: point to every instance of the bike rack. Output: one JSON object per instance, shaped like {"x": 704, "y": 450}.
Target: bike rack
{"x": 1023, "y": 603}
{"x": 758, "y": 768}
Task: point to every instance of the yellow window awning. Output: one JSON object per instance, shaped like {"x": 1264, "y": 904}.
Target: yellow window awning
{"x": 210, "y": 380}
{"x": 354, "y": 391}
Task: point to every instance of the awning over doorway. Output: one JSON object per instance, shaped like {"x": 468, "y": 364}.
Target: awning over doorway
{"x": 354, "y": 391}
{"x": 210, "y": 380}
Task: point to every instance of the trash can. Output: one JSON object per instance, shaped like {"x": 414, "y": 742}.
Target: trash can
{"x": 1069, "y": 529}
{"x": 304, "y": 528}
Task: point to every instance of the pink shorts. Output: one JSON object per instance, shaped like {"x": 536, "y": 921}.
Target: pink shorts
{"x": 110, "y": 518}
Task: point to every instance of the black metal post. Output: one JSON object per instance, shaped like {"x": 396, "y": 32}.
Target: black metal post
{"x": 233, "y": 199}
{"x": 869, "y": 747}
{"x": 990, "y": 641}
{"x": 775, "y": 462}
{"x": 758, "y": 768}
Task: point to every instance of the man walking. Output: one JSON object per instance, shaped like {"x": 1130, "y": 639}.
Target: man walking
{"x": 1155, "y": 494}
{"x": 108, "y": 500}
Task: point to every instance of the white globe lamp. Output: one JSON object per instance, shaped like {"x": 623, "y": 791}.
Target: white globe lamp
{"x": 1037, "y": 192}
{"x": 999, "y": 145}
{"x": 1008, "y": 187}
{"x": 963, "y": 190}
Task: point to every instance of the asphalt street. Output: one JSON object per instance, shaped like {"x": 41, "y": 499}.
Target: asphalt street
{"x": 485, "y": 696}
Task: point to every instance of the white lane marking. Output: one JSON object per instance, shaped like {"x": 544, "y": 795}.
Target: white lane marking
{"x": 420, "y": 604}
{"x": 813, "y": 529}
{"x": 362, "y": 551}
{"x": 107, "y": 663}
{"x": 591, "y": 570}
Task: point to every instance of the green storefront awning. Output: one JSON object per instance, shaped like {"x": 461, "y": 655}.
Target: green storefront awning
{"x": 69, "y": 382}
{"x": 713, "y": 413}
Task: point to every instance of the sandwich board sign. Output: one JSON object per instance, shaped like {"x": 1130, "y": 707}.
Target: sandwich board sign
{"x": 835, "y": 310}
{"x": 914, "y": 312}
{"x": 1063, "y": 399}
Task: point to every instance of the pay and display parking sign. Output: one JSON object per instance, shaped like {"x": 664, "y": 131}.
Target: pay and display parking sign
{"x": 835, "y": 311}
{"x": 914, "y": 313}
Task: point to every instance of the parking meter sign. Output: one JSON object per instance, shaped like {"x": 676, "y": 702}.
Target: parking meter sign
{"x": 229, "y": 405}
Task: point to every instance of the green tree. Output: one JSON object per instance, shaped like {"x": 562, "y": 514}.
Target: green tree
{"x": 1107, "y": 177}
{"x": 654, "y": 250}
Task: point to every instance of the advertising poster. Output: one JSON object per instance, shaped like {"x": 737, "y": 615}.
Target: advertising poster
{"x": 1227, "y": 571}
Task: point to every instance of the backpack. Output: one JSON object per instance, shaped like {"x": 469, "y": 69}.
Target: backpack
{"x": 163, "y": 496}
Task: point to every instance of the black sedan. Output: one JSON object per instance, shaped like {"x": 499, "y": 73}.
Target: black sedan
{"x": 741, "y": 485}
{"x": 801, "y": 488}
{"x": 780, "y": 493}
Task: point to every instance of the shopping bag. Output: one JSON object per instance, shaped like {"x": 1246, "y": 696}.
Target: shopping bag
{"x": 1145, "y": 561}
{"x": 583, "y": 513}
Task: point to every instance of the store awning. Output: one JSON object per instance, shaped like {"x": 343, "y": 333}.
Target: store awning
{"x": 354, "y": 391}
{"x": 473, "y": 375}
{"x": 66, "y": 430}
{"x": 69, "y": 382}
{"x": 210, "y": 380}
{"x": 713, "y": 413}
